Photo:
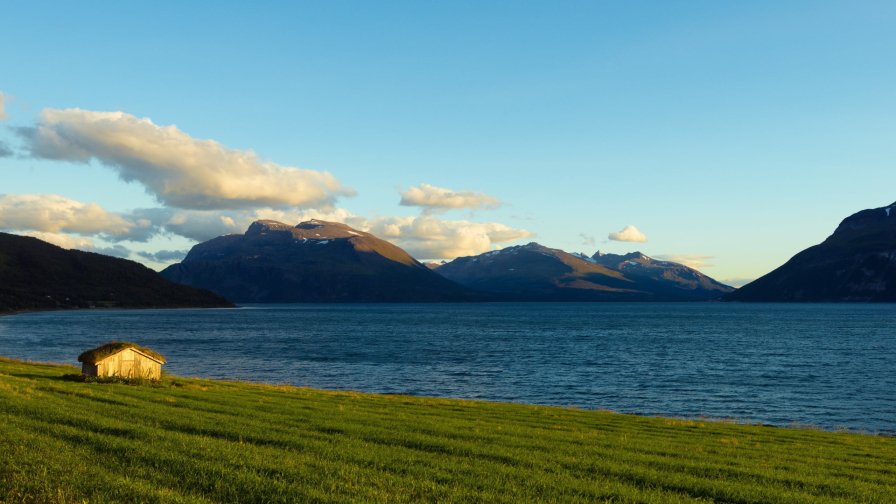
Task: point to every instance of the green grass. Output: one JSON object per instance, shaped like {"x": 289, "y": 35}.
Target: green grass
{"x": 188, "y": 440}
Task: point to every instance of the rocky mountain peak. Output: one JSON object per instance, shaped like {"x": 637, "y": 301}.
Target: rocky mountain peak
{"x": 318, "y": 224}
{"x": 611, "y": 259}
{"x": 535, "y": 272}
{"x": 263, "y": 226}
{"x": 314, "y": 261}
{"x": 318, "y": 229}
{"x": 309, "y": 230}
{"x": 866, "y": 226}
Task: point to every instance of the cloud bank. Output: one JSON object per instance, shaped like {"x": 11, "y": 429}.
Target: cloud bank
{"x": 690, "y": 260}
{"x": 2, "y": 106}
{"x": 164, "y": 256}
{"x": 67, "y": 241}
{"x": 425, "y": 237}
{"x": 62, "y": 240}
{"x": 433, "y": 199}
{"x": 208, "y": 190}
{"x": 203, "y": 225}
{"x": 51, "y": 213}
{"x": 179, "y": 170}
{"x": 628, "y": 234}
{"x": 72, "y": 224}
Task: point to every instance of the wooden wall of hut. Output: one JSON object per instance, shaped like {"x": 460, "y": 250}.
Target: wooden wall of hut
{"x": 126, "y": 364}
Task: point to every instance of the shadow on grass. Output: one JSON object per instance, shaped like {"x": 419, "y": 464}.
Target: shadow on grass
{"x": 73, "y": 377}
{"x": 34, "y": 376}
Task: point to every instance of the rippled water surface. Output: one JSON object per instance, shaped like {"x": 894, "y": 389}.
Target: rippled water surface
{"x": 828, "y": 365}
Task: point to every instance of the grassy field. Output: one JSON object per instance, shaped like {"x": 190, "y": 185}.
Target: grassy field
{"x": 189, "y": 440}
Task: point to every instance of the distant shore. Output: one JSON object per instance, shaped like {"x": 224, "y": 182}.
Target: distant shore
{"x": 115, "y": 308}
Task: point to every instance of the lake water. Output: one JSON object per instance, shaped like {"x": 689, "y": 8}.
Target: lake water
{"x": 826, "y": 365}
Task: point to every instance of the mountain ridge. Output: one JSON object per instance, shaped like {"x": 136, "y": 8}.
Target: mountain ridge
{"x": 538, "y": 273}
{"x": 36, "y": 275}
{"x": 856, "y": 263}
{"x": 313, "y": 261}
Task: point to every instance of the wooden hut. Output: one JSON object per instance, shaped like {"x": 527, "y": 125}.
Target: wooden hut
{"x": 122, "y": 359}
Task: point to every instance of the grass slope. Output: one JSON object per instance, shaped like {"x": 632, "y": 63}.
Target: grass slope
{"x": 190, "y": 440}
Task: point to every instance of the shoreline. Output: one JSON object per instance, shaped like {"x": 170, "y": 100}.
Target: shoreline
{"x": 794, "y": 425}
{"x": 203, "y": 440}
{"x": 522, "y": 353}
{"x": 114, "y": 308}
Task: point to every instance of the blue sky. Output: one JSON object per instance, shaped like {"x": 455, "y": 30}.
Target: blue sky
{"x": 731, "y": 134}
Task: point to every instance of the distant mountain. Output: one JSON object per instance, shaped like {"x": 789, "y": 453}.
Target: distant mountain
{"x": 315, "y": 261}
{"x": 536, "y": 272}
{"x": 663, "y": 278}
{"x": 856, "y": 263}
{"x": 35, "y": 275}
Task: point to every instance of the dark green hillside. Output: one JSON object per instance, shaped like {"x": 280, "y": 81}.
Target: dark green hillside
{"x": 199, "y": 441}
{"x": 35, "y": 275}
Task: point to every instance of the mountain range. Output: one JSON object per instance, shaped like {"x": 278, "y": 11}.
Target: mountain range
{"x": 314, "y": 261}
{"x": 856, "y": 263}
{"x": 319, "y": 261}
{"x": 534, "y": 272}
{"x": 35, "y": 275}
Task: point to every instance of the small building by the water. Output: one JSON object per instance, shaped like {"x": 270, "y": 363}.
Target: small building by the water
{"x": 122, "y": 359}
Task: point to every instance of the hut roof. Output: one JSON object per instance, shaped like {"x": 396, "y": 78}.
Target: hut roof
{"x": 101, "y": 352}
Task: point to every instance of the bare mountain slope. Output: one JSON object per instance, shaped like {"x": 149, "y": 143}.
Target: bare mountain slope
{"x": 315, "y": 261}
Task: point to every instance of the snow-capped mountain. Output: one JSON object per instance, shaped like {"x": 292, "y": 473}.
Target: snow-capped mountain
{"x": 315, "y": 261}
{"x": 536, "y": 272}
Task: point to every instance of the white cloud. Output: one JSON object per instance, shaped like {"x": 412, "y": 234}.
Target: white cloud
{"x": 2, "y": 106}
{"x": 181, "y": 171}
{"x": 62, "y": 240}
{"x": 115, "y": 251}
{"x": 332, "y": 215}
{"x": 164, "y": 256}
{"x": 203, "y": 225}
{"x": 426, "y": 237}
{"x": 82, "y": 243}
{"x": 432, "y": 198}
{"x": 52, "y": 213}
{"x": 690, "y": 260}
{"x": 587, "y": 240}
{"x": 628, "y": 234}
{"x": 196, "y": 225}
{"x": 56, "y": 218}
